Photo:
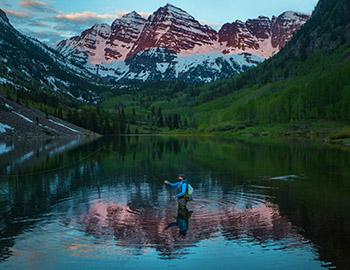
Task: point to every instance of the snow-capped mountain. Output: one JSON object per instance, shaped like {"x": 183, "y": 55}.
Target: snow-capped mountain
{"x": 103, "y": 43}
{"x": 28, "y": 64}
{"x": 92, "y": 40}
{"x": 171, "y": 44}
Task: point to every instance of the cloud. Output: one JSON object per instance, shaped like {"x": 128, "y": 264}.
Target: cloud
{"x": 37, "y": 6}
{"x": 51, "y": 28}
{"x": 6, "y": 4}
{"x": 49, "y": 37}
{"x": 17, "y": 14}
{"x": 92, "y": 17}
{"x": 37, "y": 23}
{"x": 84, "y": 17}
{"x": 74, "y": 23}
{"x": 70, "y": 29}
{"x": 30, "y": 4}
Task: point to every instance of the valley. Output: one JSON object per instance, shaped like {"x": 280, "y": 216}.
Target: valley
{"x": 144, "y": 89}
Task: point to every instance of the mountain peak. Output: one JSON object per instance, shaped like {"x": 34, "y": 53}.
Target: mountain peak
{"x": 292, "y": 15}
{"x": 132, "y": 14}
{"x": 101, "y": 27}
{"x": 3, "y": 16}
{"x": 170, "y": 6}
{"x": 175, "y": 11}
{"x": 172, "y": 28}
{"x": 129, "y": 19}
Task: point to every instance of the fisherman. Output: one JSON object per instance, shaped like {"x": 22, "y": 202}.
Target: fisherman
{"x": 184, "y": 190}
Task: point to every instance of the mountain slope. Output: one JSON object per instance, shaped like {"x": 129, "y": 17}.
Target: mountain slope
{"x": 28, "y": 64}
{"x": 329, "y": 28}
{"x": 39, "y": 87}
{"x": 133, "y": 48}
{"x": 17, "y": 120}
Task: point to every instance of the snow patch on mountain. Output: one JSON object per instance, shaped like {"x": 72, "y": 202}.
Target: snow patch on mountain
{"x": 5, "y": 81}
{"x": 4, "y": 128}
{"x": 162, "y": 67}
{"x": 4, "y": 148}
{"x": 23, "y": 117}
{"x": 162, "y": 64}
{"x": 62, "y": 125}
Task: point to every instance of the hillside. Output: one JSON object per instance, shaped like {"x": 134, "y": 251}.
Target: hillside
{"x": 29, "y": 65}
{"x": 18, "y": 121}
{"x": 43, "y": 86}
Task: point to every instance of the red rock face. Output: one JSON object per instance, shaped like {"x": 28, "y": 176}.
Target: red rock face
{"x": 262, "y": 34}
{"x": 260, "y": 27}
{"x": 87, "y": 43}
{"x": 174, "y": 29}
{"x": 237, "y": 36}
{"x": 125, "y": 32}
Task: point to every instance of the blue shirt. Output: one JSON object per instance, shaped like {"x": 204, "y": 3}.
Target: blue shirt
{"x": 182, "y": 185}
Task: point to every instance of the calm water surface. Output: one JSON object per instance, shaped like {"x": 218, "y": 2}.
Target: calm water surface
{"x": 102, "y": 205}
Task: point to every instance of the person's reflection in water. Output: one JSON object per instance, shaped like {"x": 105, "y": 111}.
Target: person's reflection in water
{"x": 182, "y": 220}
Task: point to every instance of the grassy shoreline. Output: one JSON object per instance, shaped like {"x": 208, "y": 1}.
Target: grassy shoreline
{"x": 327, "y": 132}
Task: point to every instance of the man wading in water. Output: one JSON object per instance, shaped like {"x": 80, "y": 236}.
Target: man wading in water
{"x": 184, "y": 190}
{"x": 184, "y": 195}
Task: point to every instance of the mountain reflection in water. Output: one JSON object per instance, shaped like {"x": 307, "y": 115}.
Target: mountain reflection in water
{"x": 103, "y": 204}
{"x": 158, "y": 227}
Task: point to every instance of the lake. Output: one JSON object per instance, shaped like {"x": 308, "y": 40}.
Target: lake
{"x": 103, "y": 205}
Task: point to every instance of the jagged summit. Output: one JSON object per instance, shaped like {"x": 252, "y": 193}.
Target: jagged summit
{"x": 101, "y": 26}
{"x": 132, "y": 14}
{"x": 168, "y": 5}
{"x": 173, "y": 12}
{"x": 174, "y": 29}
{"x": 4, "y": 17}
{"x": 129, "y": 18}
{"x": 293, "y": 14}
{"x": 173, "y": 8}
{"x": 262, "y": 36}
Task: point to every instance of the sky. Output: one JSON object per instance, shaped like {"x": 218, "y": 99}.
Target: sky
{"x": 53, "y": 20}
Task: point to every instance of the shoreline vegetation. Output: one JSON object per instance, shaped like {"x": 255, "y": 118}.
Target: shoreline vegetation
{"x": 322, "y": 132}
{"x": 325, "y": 132}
